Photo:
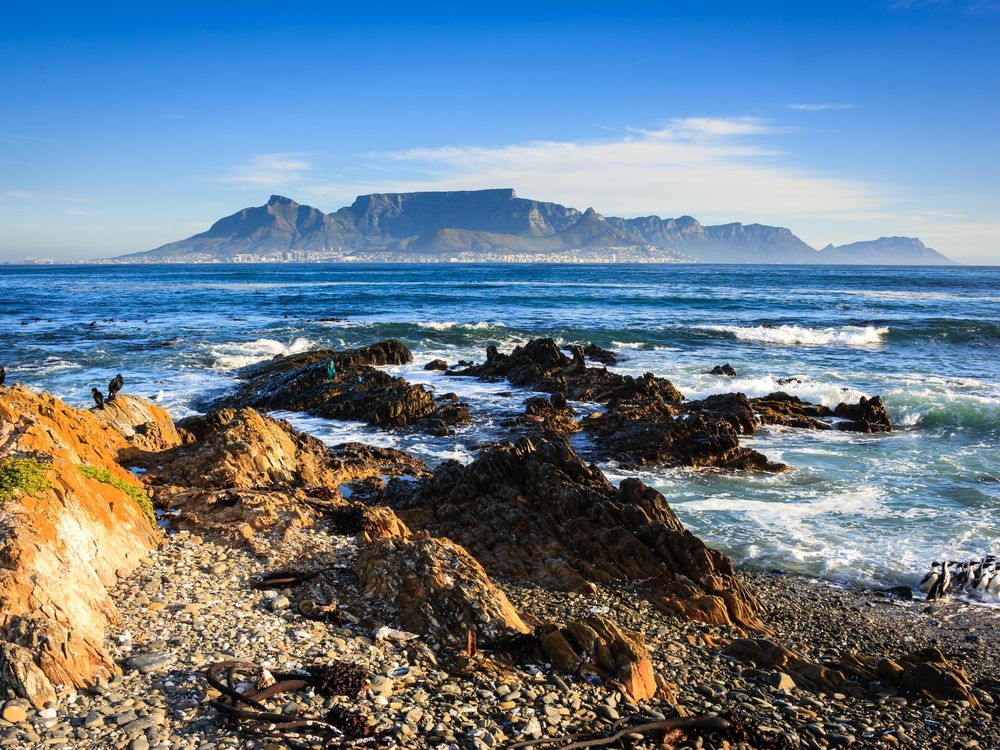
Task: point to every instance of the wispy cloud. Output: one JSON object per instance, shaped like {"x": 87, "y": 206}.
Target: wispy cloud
{"x": 710, "y": 167}
{"x": 819, "y": 107}
{"x": 268, "y": 170}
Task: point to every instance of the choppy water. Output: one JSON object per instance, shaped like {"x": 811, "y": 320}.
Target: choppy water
{"x": 854, "y": 507}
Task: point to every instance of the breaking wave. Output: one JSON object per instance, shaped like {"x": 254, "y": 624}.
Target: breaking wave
{"x": 236, "y": 354}
{"x": 793, "y": 334}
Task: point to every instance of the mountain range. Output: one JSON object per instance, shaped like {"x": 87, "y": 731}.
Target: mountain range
{"x": 497, "y": 225}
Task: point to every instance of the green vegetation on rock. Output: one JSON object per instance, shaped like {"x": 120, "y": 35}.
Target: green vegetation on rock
{"x": 134, "y": 492}
{"x": 27, "y": 475}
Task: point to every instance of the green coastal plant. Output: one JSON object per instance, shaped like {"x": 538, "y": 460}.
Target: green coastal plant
{"x": 27, "y": 475}
{"x": 104, "y": 476}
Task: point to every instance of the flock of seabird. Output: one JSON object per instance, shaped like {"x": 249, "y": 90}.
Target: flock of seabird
{"x": 974, "y": 576}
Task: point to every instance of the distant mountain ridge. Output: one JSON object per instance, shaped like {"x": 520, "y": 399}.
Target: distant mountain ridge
{"x": 498, "y": 225}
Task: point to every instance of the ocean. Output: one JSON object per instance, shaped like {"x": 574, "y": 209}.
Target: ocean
{"x": 867, "y": 509}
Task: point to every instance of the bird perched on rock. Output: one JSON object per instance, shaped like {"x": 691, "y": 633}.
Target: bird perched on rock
{"x": 114, "y": 386}
{"x": 98, "y": 398}
{"x": 3, "y": 375}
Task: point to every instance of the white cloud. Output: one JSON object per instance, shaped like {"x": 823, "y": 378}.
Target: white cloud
{"x": 713, "y": 168}
{"x": 819, "y": 107}
{"x": 268, "y": 170}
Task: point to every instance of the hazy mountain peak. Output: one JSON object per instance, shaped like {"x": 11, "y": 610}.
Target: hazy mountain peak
{"x": 280, "y": 200}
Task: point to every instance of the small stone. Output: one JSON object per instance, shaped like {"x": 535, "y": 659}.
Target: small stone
{"x": 152, "y": 661}
{"x": 280, "y": 602}
{"x": 14, "y": 712}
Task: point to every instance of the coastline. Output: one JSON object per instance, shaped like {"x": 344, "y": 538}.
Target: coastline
{"x": 194, "y": 603}
{"x": 284, "y": 554}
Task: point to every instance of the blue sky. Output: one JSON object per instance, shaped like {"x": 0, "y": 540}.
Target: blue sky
{"x": 122, "y": 128}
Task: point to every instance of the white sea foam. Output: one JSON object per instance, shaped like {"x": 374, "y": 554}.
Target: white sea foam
{"x": 822, "y": 392}
{"x": 789, "y": 335}
{"x": 437, "y": 325}
{"x": 242, "y": 353}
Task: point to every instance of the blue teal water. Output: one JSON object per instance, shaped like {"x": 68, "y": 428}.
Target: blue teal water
{"x": 855, "y": 507}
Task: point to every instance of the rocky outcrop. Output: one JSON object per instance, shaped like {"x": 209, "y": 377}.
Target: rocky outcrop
{"x": 868, "y": 415}
{"x": 926, "y": 673}
{"x": 542, "y": 366}
{"x": 145, "y": 426}
{"x": 63, "y": 543}
{"x": 534, "y": 510}
{"x": 436, "y": 364}
{"x": 597, "y": 645}
{"x": 727, "y": 369}
{"x": 596, "y": 353}
{"x": 543, "y": 414}
{"x": 354, "y": 389}
{"x": 435, "y": 586}
{"x": 251, "y": 479}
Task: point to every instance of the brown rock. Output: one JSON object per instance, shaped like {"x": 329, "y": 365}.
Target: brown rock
{"x": 146, "y": 426}
{"x": 534, "y": 510}
{"x": 770, "y": 655}
{"x": 597, "y": 644}
{"x": 868, "y": 415}
{"x": 437, "y": 587}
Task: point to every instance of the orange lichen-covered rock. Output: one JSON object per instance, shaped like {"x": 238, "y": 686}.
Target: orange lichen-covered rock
{"x": 63, "y": 545}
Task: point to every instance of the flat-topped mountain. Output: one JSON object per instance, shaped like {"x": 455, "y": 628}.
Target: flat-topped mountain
{"x": 497, "y": 225}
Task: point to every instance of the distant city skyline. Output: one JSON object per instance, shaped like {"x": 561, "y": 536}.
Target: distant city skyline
{"x": 124, "y": 128}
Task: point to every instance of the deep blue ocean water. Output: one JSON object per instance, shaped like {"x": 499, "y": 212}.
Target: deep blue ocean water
{"x": 871, "y": 509}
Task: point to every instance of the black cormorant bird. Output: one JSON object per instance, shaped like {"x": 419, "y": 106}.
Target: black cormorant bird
{"x": 3, "y": 375}
{"x": 114, "y": 386}
{"x": 98, "y": 398}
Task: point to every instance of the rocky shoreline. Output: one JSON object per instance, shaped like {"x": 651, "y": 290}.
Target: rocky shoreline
{"x": 518, "y": 598}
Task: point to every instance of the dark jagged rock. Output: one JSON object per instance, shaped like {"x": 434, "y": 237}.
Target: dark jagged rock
{"x": 534, "y": 510}
{"x": 541, "y": 365}
{"x": 727, "y": 369}
{"x": 436, "y": 364}
{"x": 543, "y": 414}
{"x": 695, "y": 439}
{"x": 868, "y": 415}
{"x": 356, "y": 391}
{"x": 734, "y": 408}
{"x": 604, "y": 356}
{"x": 791, "y": 411}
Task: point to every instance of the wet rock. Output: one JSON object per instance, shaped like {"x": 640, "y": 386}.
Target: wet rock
{"x": 534, "y": 510}
{"x": 541, "y": 365}
{"x": 355, "y": 391}
{"x": 598, "y": 645}
{"x": 596, "y": 353}
{"x": 782, "y": 409}
{"x": 437, "y": 588}
{"x": 436, "y": 364}
{"x": 868, "y": 415}
{"x": 543, "y": 414}
{"x": 727, "y": 369}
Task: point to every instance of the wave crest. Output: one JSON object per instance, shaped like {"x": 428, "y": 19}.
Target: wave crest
{"x": 238, "y": 354}
{"x": 802, "y": 335}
